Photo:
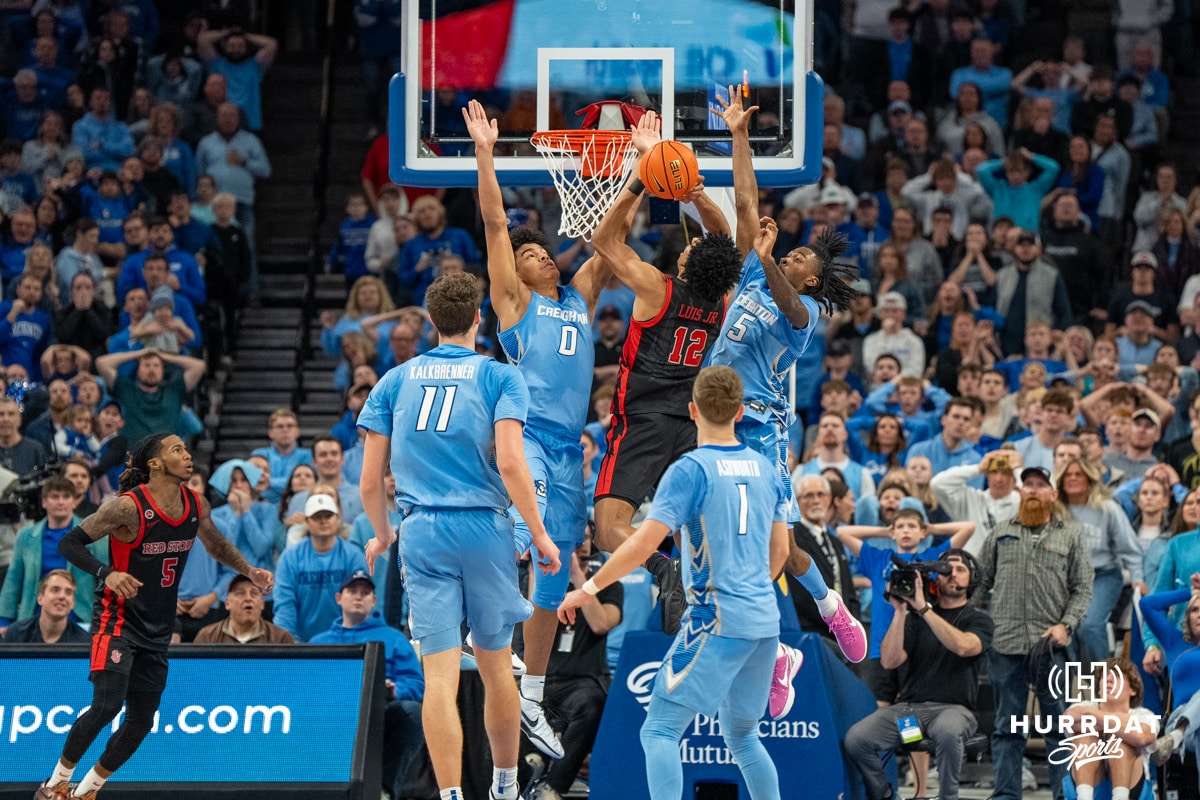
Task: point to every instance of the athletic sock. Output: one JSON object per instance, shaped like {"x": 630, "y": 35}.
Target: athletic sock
{"x": 504, "y": 783}
{"x": 62, "y": 773}
{"x": 1083, "y": 791}
{"x": 814, "y": 582}
{"x": 90, "y": 783}
{"x": 1120, "y": 793}
{"x": 453, "y": 793}
{"x": 532, "y": 687}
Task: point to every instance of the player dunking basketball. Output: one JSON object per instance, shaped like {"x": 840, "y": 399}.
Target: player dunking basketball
{"x": 733, "y": 514}
{"x": 675, "y": 322}
{"x": 546, "y": 333}
{"x": 771, "y": 323}
{"x": 152, "y": 523}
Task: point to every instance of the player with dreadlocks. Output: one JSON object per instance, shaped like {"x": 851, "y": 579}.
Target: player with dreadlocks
{"x": 674, "y": 323}
{"x": 772, "y": 320}
{"x": 153, "y": 523}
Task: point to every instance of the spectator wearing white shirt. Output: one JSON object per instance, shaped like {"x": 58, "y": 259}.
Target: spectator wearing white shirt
{"x": 894, "y": 338}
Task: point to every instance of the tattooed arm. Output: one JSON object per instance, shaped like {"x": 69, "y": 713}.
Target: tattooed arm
{"x": 224, "y": 552}
{"x": 117, "y": 518}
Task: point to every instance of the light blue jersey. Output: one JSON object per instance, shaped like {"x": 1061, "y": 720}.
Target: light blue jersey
{"x": 760, "y": 344}
{"x": 552, "y": 346}
{"x": 728, "y": 498}
{"x": 440, "y": 410}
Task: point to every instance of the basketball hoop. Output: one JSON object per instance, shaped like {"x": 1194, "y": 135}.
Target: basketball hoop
{"x": 589, "y": 168}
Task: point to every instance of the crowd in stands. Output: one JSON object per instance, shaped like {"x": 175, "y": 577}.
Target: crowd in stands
{"x": 1028, "y": 297}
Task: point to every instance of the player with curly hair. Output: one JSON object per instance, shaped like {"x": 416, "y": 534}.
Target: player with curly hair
{"x": 771, "y": 323}
{"x": 675, "y": 321}
{"x": 153, "y": 523}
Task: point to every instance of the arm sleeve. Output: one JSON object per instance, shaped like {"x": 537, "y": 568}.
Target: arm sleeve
{"x": 73, "y": 548}
{"x": 1154, "y": 609}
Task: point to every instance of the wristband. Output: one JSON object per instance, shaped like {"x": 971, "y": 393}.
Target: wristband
{"x": 590, "y": 587}
{"x": 637, "y": 187}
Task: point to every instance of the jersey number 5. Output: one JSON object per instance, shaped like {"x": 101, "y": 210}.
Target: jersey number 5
{"x": 689, "y": 347}
{"x": 443, "y": 418}
{"x": 738, "y": 329}
{"x": 168, "y": 573}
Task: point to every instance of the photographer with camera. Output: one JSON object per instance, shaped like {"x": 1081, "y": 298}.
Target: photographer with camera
{"x": 20, "y": 458}
{"x": 940, "y": 640}
{"x": 885, "y": 567}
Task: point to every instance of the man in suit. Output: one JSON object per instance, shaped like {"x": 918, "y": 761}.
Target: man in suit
{"x": 814, "y": 535}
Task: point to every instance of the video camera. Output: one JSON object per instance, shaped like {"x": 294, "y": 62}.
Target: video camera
{"x": 22, "y": 499}
{"x": 903, "y": 580}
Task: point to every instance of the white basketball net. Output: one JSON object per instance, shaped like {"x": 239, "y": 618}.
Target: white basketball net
{"x": 586, "y": 198}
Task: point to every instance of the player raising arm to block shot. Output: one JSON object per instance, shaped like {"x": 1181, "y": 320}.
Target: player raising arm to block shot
{"x": 153, "y": 524}
{"x": 545, "y": 331}
{"x": 441, "y": 418}
{"x": 675, "y": 322}
{"x": 733, "y": 513}
{"x": 770, "y": 324}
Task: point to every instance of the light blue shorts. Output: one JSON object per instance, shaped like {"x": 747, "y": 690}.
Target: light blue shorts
{"x": 770, "y": 440}
{"x": 557, "y": 468}
{"x": 705, "y": 672}
{"x": 458, "y": 564}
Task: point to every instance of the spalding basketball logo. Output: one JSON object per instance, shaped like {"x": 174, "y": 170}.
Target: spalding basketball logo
{"x": 149, "y": 514}
{"x": 640, "y": 682}
{"x": 116, "y": 656}
{"x": 675, "y": 168}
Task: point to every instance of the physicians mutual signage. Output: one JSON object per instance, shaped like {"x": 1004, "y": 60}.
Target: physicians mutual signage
{"x": 829, "y": 699}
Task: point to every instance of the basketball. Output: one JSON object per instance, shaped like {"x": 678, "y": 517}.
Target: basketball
{"x": 669, "y": 170}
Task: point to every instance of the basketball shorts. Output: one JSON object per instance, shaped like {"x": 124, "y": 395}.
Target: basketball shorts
{"x": 770, "y": 439}
{"x": 459, "y": 564}
{"x": 640, "y": 448}
{"x": 145, "y": 668}
{"x": 557, "y": 468}
{"x": 705, "y": 672}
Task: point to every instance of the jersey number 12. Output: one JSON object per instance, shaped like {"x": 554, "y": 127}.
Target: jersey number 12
{"x": 443, "y": 417}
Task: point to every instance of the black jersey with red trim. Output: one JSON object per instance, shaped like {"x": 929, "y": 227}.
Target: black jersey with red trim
{"x": 156, "y": 558}
{"x": 662, "y": 355}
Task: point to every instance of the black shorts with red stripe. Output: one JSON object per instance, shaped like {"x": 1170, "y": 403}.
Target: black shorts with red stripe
{"x": 640, "y": 448}
{"x": 145, "y": 667}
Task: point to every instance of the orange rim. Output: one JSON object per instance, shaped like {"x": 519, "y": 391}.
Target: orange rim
{"x": 592, "y": 148}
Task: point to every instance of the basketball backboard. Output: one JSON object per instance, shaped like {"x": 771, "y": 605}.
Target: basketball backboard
{"x": 535, "y": 63}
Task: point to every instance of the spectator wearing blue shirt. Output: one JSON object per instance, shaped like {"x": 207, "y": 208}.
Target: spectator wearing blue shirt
{"x": 183, "y": 273}
{"x": 53, "y": 78}
{"x": 201, "y": 592}
{"x": 24, "y": 329}
{"x": 22, "y": 105}
{"x": 1138, "y": 345}
{"x": 1018, "y": 195}
{"x": 283, "y": 455}
{"x": 993, "y": 82}
{"x": 1156, "y": 89}
{"x": 105, "y": 142}
{"x": 155, "y": 273}
{"x": 951, "y": 449}
{"x": 309, "y": 573}
{"x": 865, "y": 233}
{"x": 227, "y": 52}
{"x": 1145, "y": 130}
{"x": 166, "y": 123}
{"x": 16, "y": 188}
{"x": 235, "y": 158}
{"x": 35, "y": 553}
{"x": 251, "y": 525}
{"x": 108, "y": 205}
{"x": 349, "y": 250}
{"x": 192, "y": 236}
{"x": 359, "y": 622}
{"x": 420, "y": 256}
{"x": 918, "y": 408}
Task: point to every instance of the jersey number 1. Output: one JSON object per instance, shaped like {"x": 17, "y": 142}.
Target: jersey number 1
{"x": 743, "y": 510}
{"x": 443, "y": 418}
